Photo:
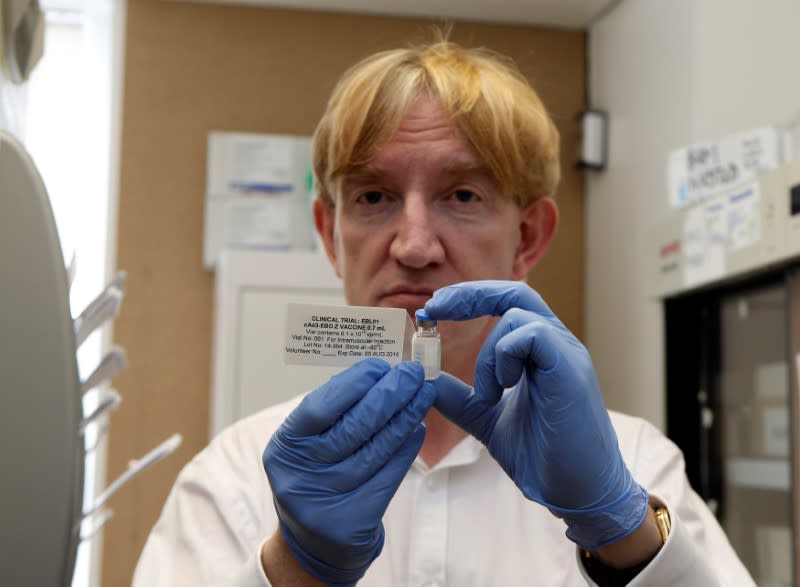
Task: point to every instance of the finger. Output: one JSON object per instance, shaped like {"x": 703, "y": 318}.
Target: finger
{"x": 535, "y": 344}
{"x": 321, "y": 408}
{"x": 373, "y": 455}
{"x": 488, "y": 385}
{"x": 459, "y": 403}
{"x": 387, "y": 479}
{"x": 471, "y": 299}
{"x": 356, "y": 426}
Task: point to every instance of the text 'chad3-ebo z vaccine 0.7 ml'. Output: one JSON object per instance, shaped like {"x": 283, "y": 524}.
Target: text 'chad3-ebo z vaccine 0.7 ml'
{"x": 426, "y": 345}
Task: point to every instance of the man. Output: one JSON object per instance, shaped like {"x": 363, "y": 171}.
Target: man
{"x": 435, "y": 167}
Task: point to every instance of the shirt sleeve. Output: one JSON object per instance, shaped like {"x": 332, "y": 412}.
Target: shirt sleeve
{"x": 252, "y": 574}
{"x": 679, "y": 562}
{"x": 214, "y": 521}
{"x": 697, "y": 552}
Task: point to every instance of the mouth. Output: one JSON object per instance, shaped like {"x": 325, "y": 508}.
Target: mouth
{"x": 407, "y": 296}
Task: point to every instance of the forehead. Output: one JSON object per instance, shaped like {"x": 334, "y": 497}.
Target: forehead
{"x": 424, "y": 114}
{"x": 425, "y": 122}
{"x": 425, "y": 138}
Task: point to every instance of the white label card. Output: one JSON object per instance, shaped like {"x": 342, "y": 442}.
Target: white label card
{"x": 704, "y": 170}
{"x": 318, "y": 334}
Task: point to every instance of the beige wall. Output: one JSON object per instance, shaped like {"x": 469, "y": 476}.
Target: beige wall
{"x": 671, "y": 74}
{"x": 190, "y": 68}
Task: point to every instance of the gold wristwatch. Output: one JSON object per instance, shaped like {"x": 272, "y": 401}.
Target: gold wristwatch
{"x": 606, "y": 576}
{"x": 664, "y": 522}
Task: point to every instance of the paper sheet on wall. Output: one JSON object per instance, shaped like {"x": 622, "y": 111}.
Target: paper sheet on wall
{"x": 259, "y": 183}
{"x": 704, "y": 242}
{"x": 706, "y": 169}
{"x": 717, "y": 227}
{"x": 744, "y": 217}
{"x": 260, "y": 163}
{"x": 246, "y": 163}
{"x": 257, "y": 193}
{"x": 260, "y": 220}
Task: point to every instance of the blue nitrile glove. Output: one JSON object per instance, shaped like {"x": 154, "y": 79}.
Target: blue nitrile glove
{"x": 551, "y": 434}
{"x": 337, "y": 460}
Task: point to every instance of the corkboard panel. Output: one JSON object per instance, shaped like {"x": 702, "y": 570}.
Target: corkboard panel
{"x": 191, "y": 68}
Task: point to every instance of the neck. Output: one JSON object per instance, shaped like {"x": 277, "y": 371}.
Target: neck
{"x": 441, "y": 435}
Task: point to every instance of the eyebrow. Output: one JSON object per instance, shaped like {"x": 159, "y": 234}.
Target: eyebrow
{"x": 468, "y": 167}
{"x": 362, "y": 173}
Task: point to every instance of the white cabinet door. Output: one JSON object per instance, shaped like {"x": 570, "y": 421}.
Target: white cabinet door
{"x": 252, "y": 291}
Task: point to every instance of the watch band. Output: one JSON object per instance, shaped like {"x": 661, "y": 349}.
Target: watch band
{"x": 664, "y": 523}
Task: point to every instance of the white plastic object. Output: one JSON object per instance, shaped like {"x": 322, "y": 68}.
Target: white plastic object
{"x": 111, "y": 364}
{"x": 135, "y": 467}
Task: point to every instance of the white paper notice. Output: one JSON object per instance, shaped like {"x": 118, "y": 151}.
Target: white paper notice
{"x": 706, "y": 169}
{"x": 744, "y": 217}
{"x": 261, "y": 161}
{"x": 319, "y": 334}
{"x": 715, "y": 228}
{"x": 705, "y": 235}
{"x": 257, "y": 193}
{"x": 241, "y": 162}
{"x": 259, "y": 220}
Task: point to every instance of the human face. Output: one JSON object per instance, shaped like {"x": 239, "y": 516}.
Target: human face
{"x": 422, "y": 214}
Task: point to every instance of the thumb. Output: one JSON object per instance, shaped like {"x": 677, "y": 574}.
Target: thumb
{"x": 459, "y": 403}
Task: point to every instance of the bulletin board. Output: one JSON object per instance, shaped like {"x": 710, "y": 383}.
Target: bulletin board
{"x": 192, "y": 68}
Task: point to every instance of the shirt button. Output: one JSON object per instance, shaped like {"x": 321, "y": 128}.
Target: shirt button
{"x": 430, "y": 583}
{"x": 432, "y": 483}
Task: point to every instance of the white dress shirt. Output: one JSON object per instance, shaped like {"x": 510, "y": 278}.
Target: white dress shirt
{"x": 461, "y": 523}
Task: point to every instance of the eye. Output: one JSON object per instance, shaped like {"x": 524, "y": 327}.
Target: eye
{"x": 465, "y": 196}
{"x": 371, "y": 197}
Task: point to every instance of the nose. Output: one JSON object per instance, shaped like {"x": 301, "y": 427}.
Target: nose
{"x": 417, "y": 242}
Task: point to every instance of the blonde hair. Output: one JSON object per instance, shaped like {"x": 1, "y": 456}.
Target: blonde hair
{"x": 485, "y": 95}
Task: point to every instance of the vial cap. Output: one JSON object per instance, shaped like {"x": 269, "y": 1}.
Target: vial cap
{"x": 422, "y": 316}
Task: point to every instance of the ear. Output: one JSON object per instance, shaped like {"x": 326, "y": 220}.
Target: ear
{"x": 538, "y": 222}
{"x": 325, "y": 220}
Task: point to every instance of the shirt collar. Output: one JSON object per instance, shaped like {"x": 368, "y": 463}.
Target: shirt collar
{"x": 466, "y": 452}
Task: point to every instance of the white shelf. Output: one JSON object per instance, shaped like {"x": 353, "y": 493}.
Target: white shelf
{"x": 772, "y": 474}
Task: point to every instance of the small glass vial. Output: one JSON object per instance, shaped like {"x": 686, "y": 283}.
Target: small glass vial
{"x": 426, "y": 345}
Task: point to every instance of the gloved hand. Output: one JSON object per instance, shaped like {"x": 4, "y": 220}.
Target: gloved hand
{"x": 337, "y": 460}
{"x": 551, "y": 434}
